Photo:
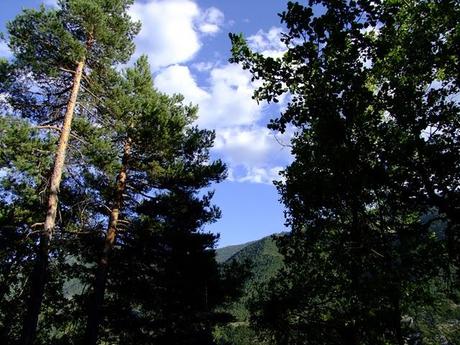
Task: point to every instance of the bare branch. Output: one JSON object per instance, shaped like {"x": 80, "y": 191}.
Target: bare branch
{"x": 56, "y": 128}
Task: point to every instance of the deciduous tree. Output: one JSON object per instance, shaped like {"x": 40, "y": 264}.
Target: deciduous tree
{"x": 373, "y": 103}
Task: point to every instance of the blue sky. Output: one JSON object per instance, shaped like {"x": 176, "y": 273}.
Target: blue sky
{"x": 188, "y": 47}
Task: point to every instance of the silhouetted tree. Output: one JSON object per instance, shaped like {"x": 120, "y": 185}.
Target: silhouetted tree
{"x": 169, "y": 288}
{"x": 370, "y": 126}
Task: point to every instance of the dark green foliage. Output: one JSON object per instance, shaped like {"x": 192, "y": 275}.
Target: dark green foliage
{"x": 264, "y": 260}
{"x": 374, "y": 105}
{"x": 174, "y": 283}
{"x": 168, "y": 289}
{"x": 24, "y": 162}
{"x": 237, "y": 333}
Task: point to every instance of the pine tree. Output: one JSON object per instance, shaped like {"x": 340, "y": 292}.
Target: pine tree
{"x": 57, "y": 48}
{"x": 25, "y": 160}
{"x": 157, "y": 149}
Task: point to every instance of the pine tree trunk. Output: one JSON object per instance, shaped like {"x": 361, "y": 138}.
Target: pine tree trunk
{"x": 96, "y": 303}
{"x": 40, "y": 271}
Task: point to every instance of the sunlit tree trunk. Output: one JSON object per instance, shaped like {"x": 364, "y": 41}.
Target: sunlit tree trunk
{"x": 39, "y": 274}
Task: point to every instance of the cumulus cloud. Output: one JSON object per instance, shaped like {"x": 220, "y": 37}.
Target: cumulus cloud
{"x": 253, "y": 146}
{"x": 254, "y": 154}
{"x": 172, "y": 35}
{"x": 179, "y": 79}
{"x": 268, "y": 42}
{"x": 259, "y": 175}
{"x": 203, "y": 66}
{"x": 226, "y": 102}
{"x": 231, "y": 99}
{"x": 167, "y": 35}
{"x": 171, "y": 29}
{"x": 211, "y": 21}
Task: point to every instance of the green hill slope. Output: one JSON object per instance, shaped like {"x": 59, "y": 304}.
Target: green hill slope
{"x": 265, "y": 261}
{"x": 225, "y": 253}
{"x": 264, "y": 258}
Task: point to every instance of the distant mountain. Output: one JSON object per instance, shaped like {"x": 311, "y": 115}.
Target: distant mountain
{"x": 225, "y": 253}
{"x": 265, "y": 260}
{"x": 262, "y": 254}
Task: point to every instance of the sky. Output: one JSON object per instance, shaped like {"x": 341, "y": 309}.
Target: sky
{"x": 188, "y": 48}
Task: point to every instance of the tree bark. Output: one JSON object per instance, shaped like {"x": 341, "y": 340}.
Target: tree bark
{"x": 96, "y": 303}
{"x": 40, "y": 271}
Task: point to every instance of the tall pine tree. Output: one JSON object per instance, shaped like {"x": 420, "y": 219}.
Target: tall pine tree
{"x": 158, "y": 150}
{"x": 56, "y": 49}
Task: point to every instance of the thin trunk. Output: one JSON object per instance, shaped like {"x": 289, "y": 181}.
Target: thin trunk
{"x": 352, "y": 331}
{"x": 96, "y": 303}
{"x": 40, "y": 271}
{"x": 397, "y": 317}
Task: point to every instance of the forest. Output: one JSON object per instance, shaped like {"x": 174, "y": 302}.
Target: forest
{"x": 106, "y": 184}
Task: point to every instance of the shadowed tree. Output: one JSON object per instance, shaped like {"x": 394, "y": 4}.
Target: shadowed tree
{"x": 25, "y": 160}
{"x": 370, "y": 126}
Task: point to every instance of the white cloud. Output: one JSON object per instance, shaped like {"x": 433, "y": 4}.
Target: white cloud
{"x": 171, "y": 29}
{"x": 167, "y": 35}
{"x": 255, "y": 175}
{"x": 226, "y": 102}
{"x": 268, "y": 42}
{"x": 253, "y": 154}
{"x": 171, "y": 37}
{"x": 203, "y": 66}
{"x": 178, "y": 79}
{"x": 261, "y": 175}
{"x": 253, "y": 146}
{"x": 231, "y": 99}
{"x": 211, "y": 21}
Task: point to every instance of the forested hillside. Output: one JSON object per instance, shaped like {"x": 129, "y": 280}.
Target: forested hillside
{"x": 264, "y": 260}
{"x": 225, "y": 253}
{"x": 432, "y": 322}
